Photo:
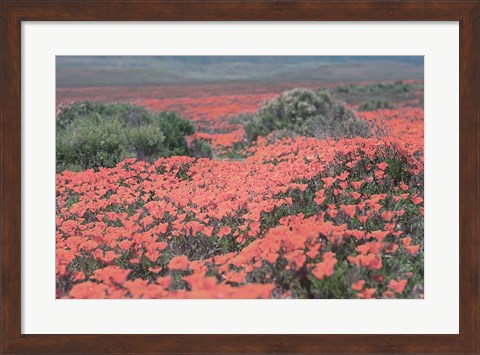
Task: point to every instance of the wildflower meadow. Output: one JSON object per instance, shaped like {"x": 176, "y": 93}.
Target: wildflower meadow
{"x": 287, "y": 190}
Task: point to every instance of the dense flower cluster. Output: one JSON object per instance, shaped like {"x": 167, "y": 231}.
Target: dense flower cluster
{"x": 298, "y": 218}
{"x": 222, "y": 140}
{"x": 294, "y": 218}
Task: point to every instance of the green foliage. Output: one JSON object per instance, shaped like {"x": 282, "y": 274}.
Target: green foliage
{"x": 308, "y": 113}
{"x": 242, "y": 118}
{"x": 175, "y": 130}
{"x": 147, "y": 141}
{"x": 392, "y": 92}
{"x": 91, "y": 142}
{"x": 128, "y": 114}
{"x": 373, "y": 105}
{"x": 94, "y": 135}
{"x": 200, "y": 148}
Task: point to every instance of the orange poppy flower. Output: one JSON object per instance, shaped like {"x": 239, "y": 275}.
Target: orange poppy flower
{"x": 357, "y": 286}
{"x": 397, "y": 286}
{"x": 178, "y": 263}
{"x": 367, "y": 293}
{"x": 325, "y": 268}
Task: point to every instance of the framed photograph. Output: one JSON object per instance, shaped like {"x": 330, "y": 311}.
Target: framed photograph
{"x": 231, "y": 177}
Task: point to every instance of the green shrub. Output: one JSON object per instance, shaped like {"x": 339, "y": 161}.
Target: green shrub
{"x": 305, "y": 112}
{"x": 392, "y": 92}
{"x": 373, "y": 105}
{"x": 94, "y": 135}
{"x": 175, "y": 129}
{"x": 200, "y": 148}
{"x": 91, "y": 142}
{"x": 147, "y": 141}
{"x": 242, "y": 118}
{"x": 129, "y": 114}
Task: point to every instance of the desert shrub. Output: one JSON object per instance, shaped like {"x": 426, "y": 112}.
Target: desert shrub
{"x": 373, "y": 105}
{"x": 91, "y": 142}
{"x": 175, "y": 129}
{"x": 200, "y": 148}
{"x": 391, "y": 92}
{"x": 94, "y": 135}
{"x": 242, "y": 118}
{"x": 147, "y": 141}
{"x": 308, "y": 113}
{"x": 129, "y": 114}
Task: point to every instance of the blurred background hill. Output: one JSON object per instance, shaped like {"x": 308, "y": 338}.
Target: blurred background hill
{"x": 88, "y": 71}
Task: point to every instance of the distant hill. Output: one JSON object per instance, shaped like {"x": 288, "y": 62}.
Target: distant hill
{"x": 79, "y": 71}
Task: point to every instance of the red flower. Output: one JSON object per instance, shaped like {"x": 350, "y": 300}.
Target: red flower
{"x": 224, "y": 231}
{"x": 397, "y": 286}
{"x": 382, "y": 165}
{"x": 178, "y": 263}
{"x": 357, "y": 286}
{"x": 325, "y": 268}
{"x": 367, "y": 293}
{"x": 329, "y": 181}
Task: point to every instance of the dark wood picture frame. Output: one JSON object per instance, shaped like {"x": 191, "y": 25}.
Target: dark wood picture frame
{"x": 14, "y": 12}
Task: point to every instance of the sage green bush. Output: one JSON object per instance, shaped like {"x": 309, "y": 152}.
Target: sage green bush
{"x": 91, "y": 142}
{"x": 200, "y": 148}
{"x": 308, "y": 113}
{"x": 175, "y": 129}
{"x": 147, "y": 141}
{"x": 373, "y": 105}
{"x": 393, "y": 93}
{"x": 129, "y": 114}
{"x": 94, "y": 135}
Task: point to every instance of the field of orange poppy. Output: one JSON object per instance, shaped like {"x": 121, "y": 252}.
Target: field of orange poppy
{"x": 287, "y": 216}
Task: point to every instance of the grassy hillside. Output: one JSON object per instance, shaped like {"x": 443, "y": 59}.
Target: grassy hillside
{"x": 78, "y": 71}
